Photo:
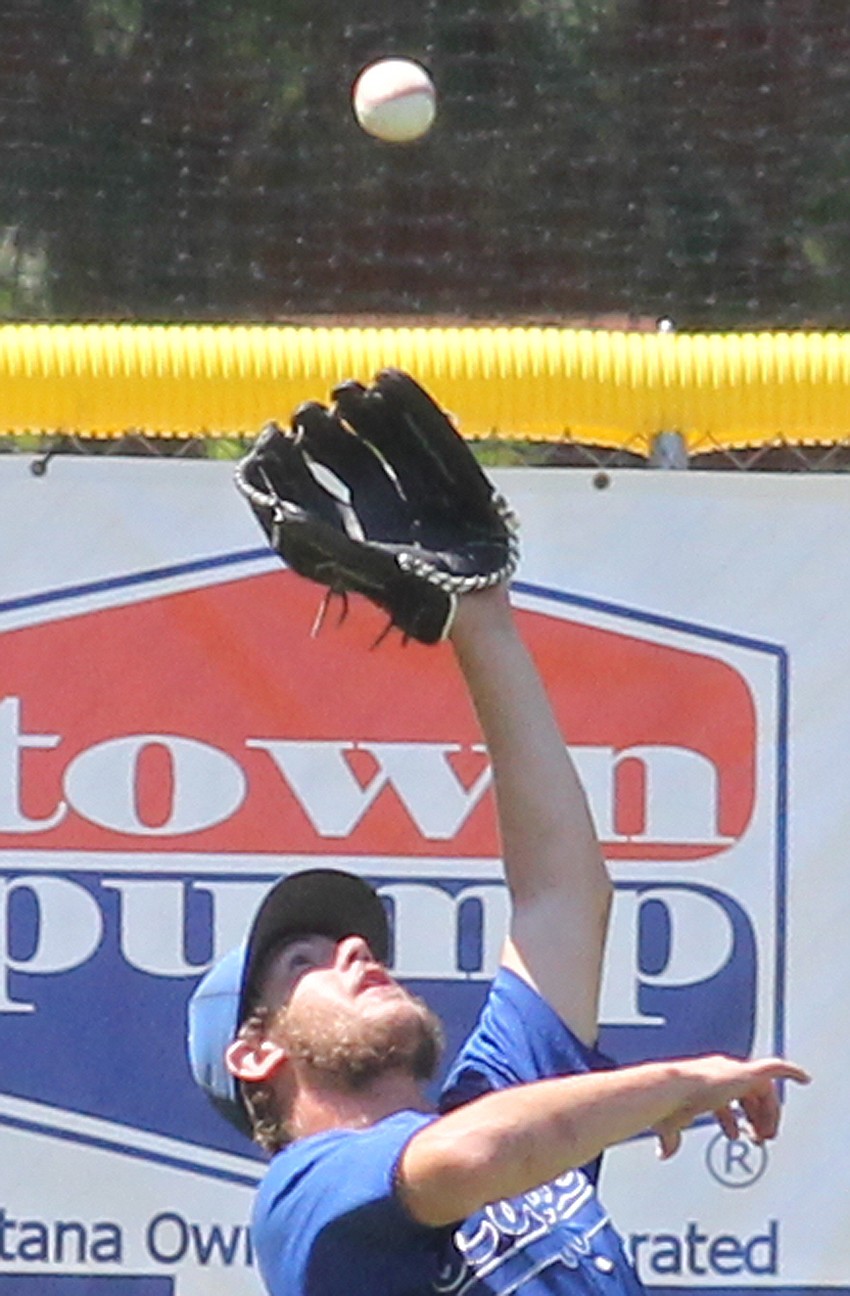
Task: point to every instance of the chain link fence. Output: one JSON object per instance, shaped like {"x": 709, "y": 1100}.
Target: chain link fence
{"x": 669, "y": 453}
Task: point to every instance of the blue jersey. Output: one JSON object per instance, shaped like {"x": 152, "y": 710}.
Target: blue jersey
{"x": 328, "y": 1219}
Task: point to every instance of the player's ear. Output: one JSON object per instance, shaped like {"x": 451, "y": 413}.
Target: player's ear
{"x": 254, "y": 1058}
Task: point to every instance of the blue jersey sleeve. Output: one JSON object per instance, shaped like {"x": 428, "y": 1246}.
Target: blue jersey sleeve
{"x": 328, "y": 1218}
{"x": 518, "y": 1038}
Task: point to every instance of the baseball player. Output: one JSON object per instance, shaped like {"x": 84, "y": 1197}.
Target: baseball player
{"x": 306, "y": 1041}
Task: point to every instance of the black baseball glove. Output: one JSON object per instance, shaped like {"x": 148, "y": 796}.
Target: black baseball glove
{"x": 381, "y": 496}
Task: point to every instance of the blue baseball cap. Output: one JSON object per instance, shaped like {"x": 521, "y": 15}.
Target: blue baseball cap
{"x": 323, "y": 902}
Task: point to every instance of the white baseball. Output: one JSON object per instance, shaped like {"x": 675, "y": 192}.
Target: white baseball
{"x": 394, "y": 100}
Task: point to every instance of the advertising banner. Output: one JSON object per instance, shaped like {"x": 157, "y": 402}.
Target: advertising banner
{"x": 173, "y": 738}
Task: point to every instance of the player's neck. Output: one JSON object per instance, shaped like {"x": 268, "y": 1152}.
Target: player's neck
{"x": 320, "y": 1106}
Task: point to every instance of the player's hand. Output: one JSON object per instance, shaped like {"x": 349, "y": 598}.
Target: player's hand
{"x": 743, "y": 1096}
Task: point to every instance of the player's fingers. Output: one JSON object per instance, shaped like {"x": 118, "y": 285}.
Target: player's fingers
{"x": 762, "y": 1111}
{"x": 779, "y": 1069}
{"x": 727, "y": 1118}
{"x": 760, "y": 1102}
{"x": 669, "y": 1139}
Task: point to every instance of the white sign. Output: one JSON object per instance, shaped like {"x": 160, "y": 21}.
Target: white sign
{"x": 169, "y": 744}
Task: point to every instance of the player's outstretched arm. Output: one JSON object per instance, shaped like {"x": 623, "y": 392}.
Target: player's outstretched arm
{"x": 418, "y": 528}
{"x": 513, "y": 1140}
{"x": 555, "y": 872}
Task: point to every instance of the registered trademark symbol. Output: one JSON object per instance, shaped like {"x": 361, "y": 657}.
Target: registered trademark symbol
{"x": 737, "y": 1163}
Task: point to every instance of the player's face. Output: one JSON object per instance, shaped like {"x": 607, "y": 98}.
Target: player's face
{"x": 343, "y": 1012}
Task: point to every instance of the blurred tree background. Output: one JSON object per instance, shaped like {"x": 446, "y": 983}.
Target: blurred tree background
{"x": 602, "y": 160}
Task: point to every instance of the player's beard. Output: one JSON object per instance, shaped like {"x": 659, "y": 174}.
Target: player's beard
{"x": 357, "y": 1049}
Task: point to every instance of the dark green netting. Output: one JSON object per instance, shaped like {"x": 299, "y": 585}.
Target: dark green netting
{"x": 608, "y": 159}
